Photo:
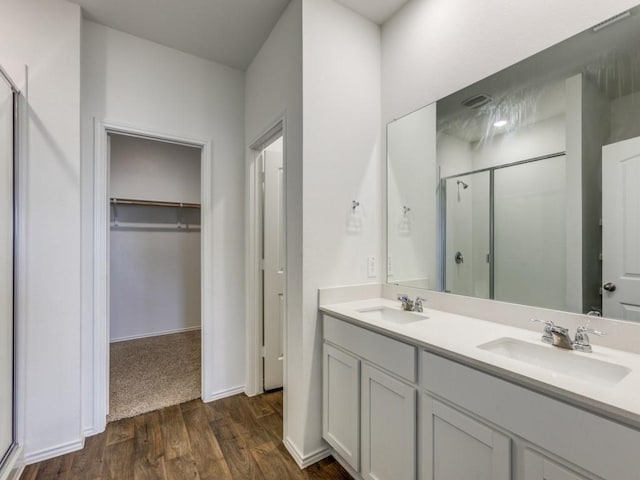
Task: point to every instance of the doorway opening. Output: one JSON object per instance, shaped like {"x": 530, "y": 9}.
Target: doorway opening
{"x": 273, "y": 261}
{"x": 154, "y": 271}
{"x": 266, "y": 308}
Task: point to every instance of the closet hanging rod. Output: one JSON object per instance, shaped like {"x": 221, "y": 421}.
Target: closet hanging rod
{"x": 152, "y": 203}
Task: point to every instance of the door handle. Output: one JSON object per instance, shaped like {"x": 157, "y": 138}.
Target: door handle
{"x": 609, "y": 287}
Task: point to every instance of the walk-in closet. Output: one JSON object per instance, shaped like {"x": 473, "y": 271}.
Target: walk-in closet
{"x": 154, "y": 274}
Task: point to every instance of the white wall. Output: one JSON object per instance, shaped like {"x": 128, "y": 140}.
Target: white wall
{"x": 342, "y": 162}
{"x": 149, "y": 170}
{"x": 154, "y": 274}
{"x": 45, "y": 36}
{"x": 274, "y": 90}
{"x": 432, "y": 48}
{"x": 136, "y": 82}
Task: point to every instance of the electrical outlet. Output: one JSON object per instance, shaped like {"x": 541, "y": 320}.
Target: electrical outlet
{"x": 371, "y": 266}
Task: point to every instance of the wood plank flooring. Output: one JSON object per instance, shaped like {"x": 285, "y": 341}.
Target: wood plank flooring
{"x": 234, "y": 438}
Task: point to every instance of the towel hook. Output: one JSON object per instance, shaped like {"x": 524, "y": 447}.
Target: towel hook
{"x": 354, "y": 204}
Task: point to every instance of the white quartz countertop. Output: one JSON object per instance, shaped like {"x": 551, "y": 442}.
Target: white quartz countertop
{"x": 457, "y": 337}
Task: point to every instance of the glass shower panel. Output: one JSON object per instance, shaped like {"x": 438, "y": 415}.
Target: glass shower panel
{"x": 467, "y": 235}
{"x": 530, "y": 233}
{"x": 6, "y": 268}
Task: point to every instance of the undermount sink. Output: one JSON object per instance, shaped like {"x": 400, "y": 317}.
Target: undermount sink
{"x": 559, "y": 361}
{"x": 392, "y": 315}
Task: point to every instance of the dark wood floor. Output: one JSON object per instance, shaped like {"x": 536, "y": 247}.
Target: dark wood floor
{"x": 233, "y": 438}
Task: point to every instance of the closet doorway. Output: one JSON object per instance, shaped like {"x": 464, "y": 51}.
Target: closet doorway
{"x": 154, "y": 251}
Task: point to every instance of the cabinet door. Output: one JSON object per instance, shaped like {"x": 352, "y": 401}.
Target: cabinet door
{"x": 457, "y": 447}
{"x": 388, "y": 427}
{"x": 341, "y": 404}
{"x": 538, "y": 467}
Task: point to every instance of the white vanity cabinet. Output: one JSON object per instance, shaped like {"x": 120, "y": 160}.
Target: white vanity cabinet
{"x": 341, "y": 403}
{"x": 455, "y": 446}
{"x": 575, "y": 440}
{"x": 388, "y": 427}
{"x": 369, "y": 401}
{"x": 456, "y": 422}
{"x": 538, "y": 467}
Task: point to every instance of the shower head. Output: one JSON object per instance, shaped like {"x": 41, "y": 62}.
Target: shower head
{"x": 464, "y": 185}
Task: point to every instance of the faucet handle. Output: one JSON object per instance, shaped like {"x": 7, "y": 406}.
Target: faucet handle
{"x": 548, "y": 323}
{"x": 403, "y": 297}
{"x": 547, "y": 336}
{"x": 586, "y": 329}
{"x": 417, "y": 304}
{"x": 582, "y": 342}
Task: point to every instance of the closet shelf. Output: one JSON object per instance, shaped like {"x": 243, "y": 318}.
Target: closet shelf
{"x": 152, "y": 203}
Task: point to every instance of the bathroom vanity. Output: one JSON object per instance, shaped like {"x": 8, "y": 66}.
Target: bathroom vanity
{"x": 441, "y": 396}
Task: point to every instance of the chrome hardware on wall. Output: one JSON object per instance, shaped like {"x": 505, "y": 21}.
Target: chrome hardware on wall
{"x": 354, "y": 204}
{"x": 405, "y": 210}
{"x": 459, "y": 258}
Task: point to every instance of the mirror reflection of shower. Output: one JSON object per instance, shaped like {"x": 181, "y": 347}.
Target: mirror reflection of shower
{"x": 464, "y": 187}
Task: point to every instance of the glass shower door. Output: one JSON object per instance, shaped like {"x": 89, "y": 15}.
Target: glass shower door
{"x": 530, "y": 233}
{"x": 6, "y": 269}
{"x": 467, "y": 235}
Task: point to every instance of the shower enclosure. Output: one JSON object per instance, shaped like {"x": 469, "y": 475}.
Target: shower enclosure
{"x": 8, "y": 112}
{"x": 504, "y": 232}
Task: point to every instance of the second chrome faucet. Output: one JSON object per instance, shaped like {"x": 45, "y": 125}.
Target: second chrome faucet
{"x": 409, "y": 305}
{"x": 559, "y": 336}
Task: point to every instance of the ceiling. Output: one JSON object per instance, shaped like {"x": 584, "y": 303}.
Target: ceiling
{"x": 230, "y": 32}
{"x": 378, "y": 11}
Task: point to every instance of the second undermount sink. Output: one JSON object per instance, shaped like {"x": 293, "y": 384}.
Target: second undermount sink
{"x": 559, "y": 361}
{"x": 393, "y": 315}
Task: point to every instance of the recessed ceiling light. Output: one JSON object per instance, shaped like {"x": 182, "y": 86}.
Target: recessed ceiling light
{"x": 500, "y": 123}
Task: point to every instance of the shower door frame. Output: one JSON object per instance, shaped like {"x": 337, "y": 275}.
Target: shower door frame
{"x": 443, "y": 216}
{"x": 8, "y": 457}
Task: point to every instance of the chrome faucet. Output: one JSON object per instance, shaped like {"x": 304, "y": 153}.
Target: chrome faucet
{"x": 409, "y": 305}
{"x": 559, "y": 336}
{"x": 406, "y": 303}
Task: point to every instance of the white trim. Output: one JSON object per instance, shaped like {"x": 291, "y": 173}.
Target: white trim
{"x": 229, "y": 392}
{"x": 100, "y": 255}
{"x": 155, "y": 334}
{"x": 253, "y": 306}
{"x": 350, "y": 470}
{"x": 14, "y": 466}
{"x": 304, "y": 461}
{"x": 51, "y": 452}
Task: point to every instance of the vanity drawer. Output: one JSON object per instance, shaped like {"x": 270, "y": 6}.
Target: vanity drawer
{"x": 601, "y": 446}
{"x": 390, "y": 354}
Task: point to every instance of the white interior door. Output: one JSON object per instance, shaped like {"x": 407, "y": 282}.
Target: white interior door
{"x": 621, "y": 230}
{"x": 274, "y": 258}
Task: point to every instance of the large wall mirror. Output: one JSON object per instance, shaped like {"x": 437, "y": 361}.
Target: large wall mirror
{"x": 8, "y": 99}
{"x": 525, "y": 186}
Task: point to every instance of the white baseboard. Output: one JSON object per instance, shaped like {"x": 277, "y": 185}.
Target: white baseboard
{"x": 14, "y": 466}
{"x": 223, "y": 393}
{"x": 345, "y": 465}
{"x": 304, "y": 461}
{"x": 154, "y": 334}
{"x": 51, "y": 452}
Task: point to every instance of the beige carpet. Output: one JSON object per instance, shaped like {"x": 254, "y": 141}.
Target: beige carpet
{"x": 152, "y": 373}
